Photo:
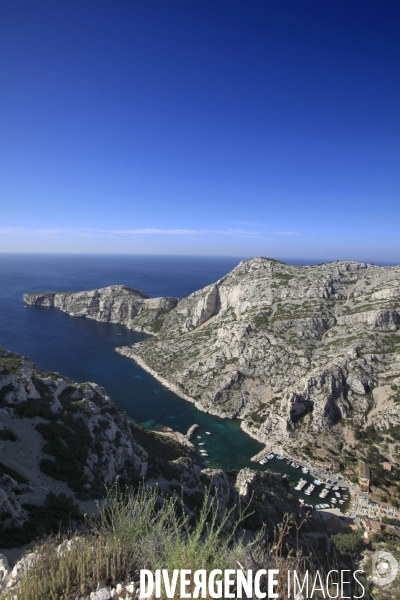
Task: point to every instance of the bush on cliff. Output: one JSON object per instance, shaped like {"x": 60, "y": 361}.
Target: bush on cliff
{"x": 143, "y": 530}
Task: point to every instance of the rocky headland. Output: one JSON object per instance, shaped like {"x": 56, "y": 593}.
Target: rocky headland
{"x": 307, "y": 356}
{"x": 63, "y": 443}
{"x": 119, "y": 304}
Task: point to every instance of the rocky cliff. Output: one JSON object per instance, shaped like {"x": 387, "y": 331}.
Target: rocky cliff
{"x": 113, "y": 304}
{"x": 61, "y": 442}
{"x": 58, "y": 436}
{"x": 303, "y": 355}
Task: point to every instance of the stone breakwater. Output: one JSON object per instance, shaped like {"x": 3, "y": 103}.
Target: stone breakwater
{"x": 191, "y": 431}
{"x": 302, "y": 355}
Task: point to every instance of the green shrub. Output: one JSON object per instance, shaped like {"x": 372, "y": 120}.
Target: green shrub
{"x": 134, "y": 531}
{"x": 348, "y": 544}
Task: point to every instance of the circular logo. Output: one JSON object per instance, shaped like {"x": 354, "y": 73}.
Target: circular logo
{"x": 384, "y": 568}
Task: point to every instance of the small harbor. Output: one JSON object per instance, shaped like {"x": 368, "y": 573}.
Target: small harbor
{"x": 321, "y": 493}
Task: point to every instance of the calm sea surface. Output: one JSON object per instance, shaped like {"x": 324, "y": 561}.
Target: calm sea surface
{"x": 84, "y": 350}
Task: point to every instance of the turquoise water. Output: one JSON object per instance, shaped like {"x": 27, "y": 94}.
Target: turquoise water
{"x": 84, "y": 350}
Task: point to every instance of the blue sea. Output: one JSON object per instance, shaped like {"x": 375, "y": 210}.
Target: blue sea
{"x": 84, "y": 350}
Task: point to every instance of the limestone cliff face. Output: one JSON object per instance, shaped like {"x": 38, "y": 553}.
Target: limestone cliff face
{"x": 113, "y": 304}
{"x": 61, "y": 436}
{"x": 290, "y": 350}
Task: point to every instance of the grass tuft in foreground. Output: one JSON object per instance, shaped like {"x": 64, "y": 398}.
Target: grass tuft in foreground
{"x": 144, "y": 530}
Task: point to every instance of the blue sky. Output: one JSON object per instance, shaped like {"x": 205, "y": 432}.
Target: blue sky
{"x": 240, "y": 128}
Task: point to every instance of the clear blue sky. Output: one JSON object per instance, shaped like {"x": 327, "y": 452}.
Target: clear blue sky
{"x": 246, "y": 127}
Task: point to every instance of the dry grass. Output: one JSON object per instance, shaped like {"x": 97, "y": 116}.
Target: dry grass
{"x": 136, "y": 531}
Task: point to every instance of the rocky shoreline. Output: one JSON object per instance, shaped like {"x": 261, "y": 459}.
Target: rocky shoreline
{"x": 301, "y": 355}
{"x": 126, "y": 351}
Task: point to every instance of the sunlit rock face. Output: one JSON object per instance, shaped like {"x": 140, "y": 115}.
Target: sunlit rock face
{"x": 292, "y": 351}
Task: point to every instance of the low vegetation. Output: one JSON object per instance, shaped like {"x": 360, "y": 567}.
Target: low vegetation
{"x": 59, "y": 512}
{"x": 143, "y": 530}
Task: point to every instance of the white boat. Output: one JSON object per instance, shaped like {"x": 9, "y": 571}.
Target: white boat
{"x": 310, "y": 490}
{"x": 208, "y": 432}
{"x": 300, "y": 485}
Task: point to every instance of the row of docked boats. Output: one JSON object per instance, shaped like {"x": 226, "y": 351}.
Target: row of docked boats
{"x": 265, "y": 459}
{"x": 202, "y": 449}
{"x": 293, "y": 464}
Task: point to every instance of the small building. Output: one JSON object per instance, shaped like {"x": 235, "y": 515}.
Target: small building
{"x": 372, "y": 526}
{"x": 387, "y": 466}
{"x": 349, "y": 472}
{"x": 364, "y": 477}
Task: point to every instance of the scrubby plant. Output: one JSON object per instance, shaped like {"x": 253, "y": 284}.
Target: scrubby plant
{"x": 145, "y": 530}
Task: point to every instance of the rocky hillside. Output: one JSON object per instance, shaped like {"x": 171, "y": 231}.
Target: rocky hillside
{"x": 305, "y": 356}
{"x": 113, "y": 304}
{"x": 58, "y": 436}
{"x": 62, "y": 442}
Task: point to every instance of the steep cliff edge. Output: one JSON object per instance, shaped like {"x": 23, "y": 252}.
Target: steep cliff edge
{"x": 303, "y": 355}
{"x": 113, "y": 304}
{"x": 62, "y": 443}
{"x": 299, "y": 353}
{"x": 58, "y": 436}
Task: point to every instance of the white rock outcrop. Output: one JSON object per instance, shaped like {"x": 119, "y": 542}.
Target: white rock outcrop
{"x": 287, "y": 349}
{"x": 113, "y": 304}
{"x": 96, "y": 438}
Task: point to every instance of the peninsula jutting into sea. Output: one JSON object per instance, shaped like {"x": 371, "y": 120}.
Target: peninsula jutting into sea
{"x": 306, "y": 356}
{"x": 199, "y": 300}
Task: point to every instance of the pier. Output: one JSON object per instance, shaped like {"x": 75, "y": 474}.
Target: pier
{"x": 191, "y": 431}
{"x": 261, "y": 454}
